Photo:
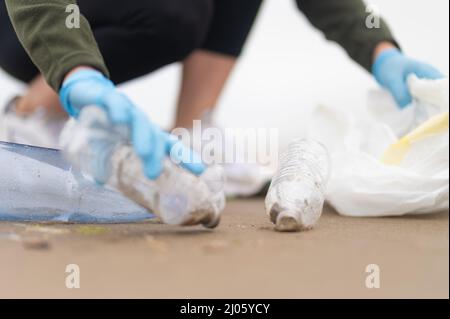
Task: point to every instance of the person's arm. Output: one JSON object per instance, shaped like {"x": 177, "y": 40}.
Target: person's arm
{"x": 54, "y": 48}
{"x": 344, "y": 21}
{"x": 374, "y": 48}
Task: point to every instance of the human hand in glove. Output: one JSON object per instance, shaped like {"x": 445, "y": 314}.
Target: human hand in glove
{"x": 391, "y": 69}
{"x": 87, "y": 87}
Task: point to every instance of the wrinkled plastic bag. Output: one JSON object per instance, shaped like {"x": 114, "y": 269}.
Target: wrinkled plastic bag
{"x": 361, "y": 185}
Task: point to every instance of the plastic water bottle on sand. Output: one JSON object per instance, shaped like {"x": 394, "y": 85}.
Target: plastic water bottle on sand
{"x": 177, "y": 196}
{"x": 297, "y": 193}
{"x": 37, "y": 184}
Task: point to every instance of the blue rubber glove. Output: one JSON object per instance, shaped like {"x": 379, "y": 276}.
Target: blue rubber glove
{"x": 391, "y": 70}
{"x": 89, "y": 87}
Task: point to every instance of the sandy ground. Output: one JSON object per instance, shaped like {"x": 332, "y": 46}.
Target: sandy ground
{"x": 243, "y": 258}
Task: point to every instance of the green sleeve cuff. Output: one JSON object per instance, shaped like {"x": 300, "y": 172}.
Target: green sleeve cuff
{"x": 54, "y": 47}
{"x": 56, "y": 73}
{"x": 362, "y": 51}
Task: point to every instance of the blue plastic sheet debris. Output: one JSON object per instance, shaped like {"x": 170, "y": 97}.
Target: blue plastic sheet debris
{"x": 37, "y": 184}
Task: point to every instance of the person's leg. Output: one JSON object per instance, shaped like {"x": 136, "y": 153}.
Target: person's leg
{"x": 205, "y": 74}
{"x": 204, "y": 77}
{"x": 206, "y": 71}
{"x": 13, "y": 58}
{"x": 39, "y": 95}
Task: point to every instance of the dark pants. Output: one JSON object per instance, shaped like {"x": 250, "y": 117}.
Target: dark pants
{"x": 135, "y": 37}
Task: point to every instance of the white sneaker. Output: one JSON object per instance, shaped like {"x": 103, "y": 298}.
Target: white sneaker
{"x": 242, "y": 179}
{"x": 38, "y": 129}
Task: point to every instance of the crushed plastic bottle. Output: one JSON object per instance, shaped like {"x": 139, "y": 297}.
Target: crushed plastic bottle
{"x": 177, "y": 196}
{"x": 37, "y": 184}
{"x": 297, "y": 193}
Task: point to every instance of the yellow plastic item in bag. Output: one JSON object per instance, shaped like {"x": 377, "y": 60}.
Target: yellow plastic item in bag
{"x": 397, "y": 152}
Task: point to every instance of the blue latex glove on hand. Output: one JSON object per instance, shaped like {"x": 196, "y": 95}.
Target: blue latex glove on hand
{"x": 90, "y": 87}
{"x": 391, "y": 70}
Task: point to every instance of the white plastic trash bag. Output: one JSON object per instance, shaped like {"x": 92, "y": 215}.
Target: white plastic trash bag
{"x": 361, "y": 184}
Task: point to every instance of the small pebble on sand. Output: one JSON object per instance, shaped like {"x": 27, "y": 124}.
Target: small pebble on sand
{"x": 216, "y": 246}
{"x": 35, "y": 243}
{"x": 157, "y": 245}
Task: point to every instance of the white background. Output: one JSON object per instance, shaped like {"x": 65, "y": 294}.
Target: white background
{"x": 288, "y": 67}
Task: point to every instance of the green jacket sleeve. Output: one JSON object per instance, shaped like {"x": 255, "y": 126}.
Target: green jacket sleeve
{"x": 53, "y": 47}
{"x": 344, "y": 21}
